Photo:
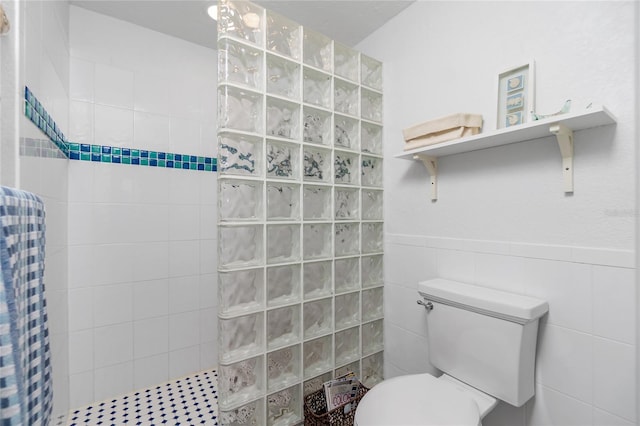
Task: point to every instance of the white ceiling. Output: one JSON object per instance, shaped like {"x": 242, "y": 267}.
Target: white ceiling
{"x": 347, "y": 21}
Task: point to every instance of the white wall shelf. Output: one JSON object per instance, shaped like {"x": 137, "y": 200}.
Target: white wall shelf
{"x": 561, "y": 126}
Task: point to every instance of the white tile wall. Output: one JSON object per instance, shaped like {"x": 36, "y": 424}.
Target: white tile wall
{"x": 208, "y": 333}
{"x": 564, "y": 357}
{"x": 142, "y": 240}
{"x": 184, "y": 134}
{"x": 82, "y": 73}
{"x": 567, "y": 287}
{"x": 208, "y": 354}
{"x": 602, "y": 418}
{"x": 182, "y": 333}
{"x": 208, "y": 256}
{"x": 456, "y": 265}
{"x": 83, "y": 123}
{"x": 614, "y": 290}
{"x": 112, "y": 380}
{"x": 112, "y": 344}
{"x": 151, "y": 261}
{"x": 183, "y": 187}
{"x": 550, "y": 407}
{"x": 146, "y": 101}
{"x": 59, "y": 357}
{"x": 614, "y": 383}
{"x": 150, "y": 337}
{"x": 422, "y": 260}
{"x": 183, "y": 294}
{"x": 81, "y": 317}
{"x": 151, "y": 370}
{"x": 207, "y": 291}
{"x": 81, "y": 351}
{"x": 57, "y": 304}
{"x": 151, "y": 299}
{"x": 585, "y": 356}
{"x": 81, "y": 388}
{"x": 152, "y": 131}
{"x": 44, "y": 68}
{"x": 499, "y": 272}
{"x": 113, "y": 85}
{"x": 184, "y": 257}
{"x": 112, "y": 126}
{"x": 184, "y": 222}
{"x": 112, "y": 304}
{"x": 183, "y": 361}
{"x": 410, "y": 350}
{"x": 399, "y": 309}
{"x": 150, "y": 91}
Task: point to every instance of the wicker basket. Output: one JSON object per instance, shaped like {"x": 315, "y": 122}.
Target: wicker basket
{"x": 315, "y": 409}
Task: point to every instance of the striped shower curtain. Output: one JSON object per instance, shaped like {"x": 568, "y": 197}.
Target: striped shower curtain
{"x": 25, "y": 358}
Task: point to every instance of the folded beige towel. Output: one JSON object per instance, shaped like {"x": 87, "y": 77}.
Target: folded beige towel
{"x": 442, "y": 130}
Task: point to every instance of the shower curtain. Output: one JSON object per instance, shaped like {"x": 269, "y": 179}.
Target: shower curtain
{"x": 25, "y": 359}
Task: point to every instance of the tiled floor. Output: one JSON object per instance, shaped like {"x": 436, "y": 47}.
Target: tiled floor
{"x": 188, "y": 401}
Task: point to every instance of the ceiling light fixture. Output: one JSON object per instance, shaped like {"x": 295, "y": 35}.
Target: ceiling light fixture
{"x": 213, "y": 12}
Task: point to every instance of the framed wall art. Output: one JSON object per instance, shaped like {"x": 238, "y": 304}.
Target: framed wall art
{"x": 516, "y": 95}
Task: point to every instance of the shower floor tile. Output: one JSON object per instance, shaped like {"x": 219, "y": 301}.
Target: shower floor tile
{"x": 191, "y": 400}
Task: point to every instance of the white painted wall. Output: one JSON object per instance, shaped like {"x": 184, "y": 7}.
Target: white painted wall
{"x": 448, "y": 62}
{"x": 44, "y": 67}
{"x": 502, "y": 219}
{"x": 142, "y": 240}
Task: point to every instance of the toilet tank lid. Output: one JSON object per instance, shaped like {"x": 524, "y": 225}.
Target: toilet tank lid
{"x": 483, "y": 299}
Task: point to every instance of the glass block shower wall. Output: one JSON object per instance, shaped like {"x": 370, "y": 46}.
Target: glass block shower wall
{"x": 300, "y": 215}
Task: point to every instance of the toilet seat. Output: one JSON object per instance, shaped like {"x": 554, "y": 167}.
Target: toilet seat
{"x": 418, "y": 399}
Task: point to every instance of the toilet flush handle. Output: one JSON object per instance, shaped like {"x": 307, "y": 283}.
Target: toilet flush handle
{"x": 427, "y": 305}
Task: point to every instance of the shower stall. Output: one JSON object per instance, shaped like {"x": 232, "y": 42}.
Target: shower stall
{"x": 122, "y": 149}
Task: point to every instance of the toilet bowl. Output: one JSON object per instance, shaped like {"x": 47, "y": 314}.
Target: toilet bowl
{"x": 422, "y": 399}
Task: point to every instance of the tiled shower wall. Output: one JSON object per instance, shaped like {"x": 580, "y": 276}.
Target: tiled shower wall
{"x": 142, "y": 240}
{"x": 300, "y": 215}
{"x": 44, "y": 66}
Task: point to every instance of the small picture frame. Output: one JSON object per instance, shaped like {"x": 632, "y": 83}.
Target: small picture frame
{"x": 516, "y": 95}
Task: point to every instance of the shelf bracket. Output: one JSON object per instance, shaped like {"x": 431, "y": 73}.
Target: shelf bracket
{"x": 565, "y": 142}
{"x": 431, "y": 163}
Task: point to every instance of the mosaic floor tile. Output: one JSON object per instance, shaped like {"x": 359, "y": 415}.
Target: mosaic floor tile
{"x": 188, "y": 401}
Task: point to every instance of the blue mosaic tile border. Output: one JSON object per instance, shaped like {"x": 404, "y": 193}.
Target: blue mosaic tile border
{"x": 35, "y": 112}
{"x": 140, "y": 157}
{"x": 39, "y": 116}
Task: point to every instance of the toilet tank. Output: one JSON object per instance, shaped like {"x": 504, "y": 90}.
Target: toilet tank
{"x": 484, "y": 337}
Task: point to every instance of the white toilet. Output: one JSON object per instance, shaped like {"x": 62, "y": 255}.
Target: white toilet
{"x": 484, "y": 341}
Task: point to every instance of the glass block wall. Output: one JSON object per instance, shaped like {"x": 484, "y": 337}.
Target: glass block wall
{"x": 300, "y": 215}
